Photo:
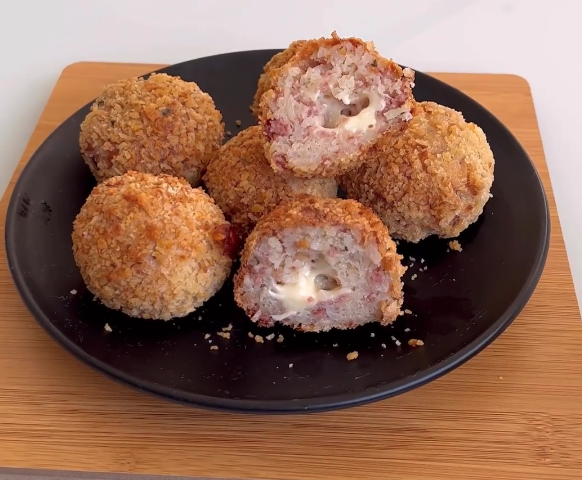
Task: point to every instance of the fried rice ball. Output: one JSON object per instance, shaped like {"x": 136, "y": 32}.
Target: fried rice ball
{"x": 267, "y": 77}
{"x": 159, "y": 125}
{"x": 245, "y": 187}
{"x": 433, "y": 179}
{"x": 329, "y": 104}
{"x": 315, "y": 264}
{"x": 152, "y": 246}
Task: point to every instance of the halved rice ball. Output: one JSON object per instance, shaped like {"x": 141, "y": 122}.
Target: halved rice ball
{"x": 315, "y": 264}
{"x": 330, "y": 103}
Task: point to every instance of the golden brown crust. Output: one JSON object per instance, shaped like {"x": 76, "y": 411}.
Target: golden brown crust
{"x": 159, "y": 125}
{"x": 432, "y": 178}
{"x": 138, "y": 258}
{"x": 269, "y": 73}
{"x": 309, "y": 211}
{"x": 245, "y": 187}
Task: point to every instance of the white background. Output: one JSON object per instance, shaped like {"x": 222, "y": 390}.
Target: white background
{"x": 540, "y": 40}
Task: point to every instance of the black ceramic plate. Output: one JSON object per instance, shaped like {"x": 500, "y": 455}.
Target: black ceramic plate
{"x": 459, "y": 304}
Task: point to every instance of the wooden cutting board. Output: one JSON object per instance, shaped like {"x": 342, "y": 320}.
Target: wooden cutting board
{"x": 513, "y": 412}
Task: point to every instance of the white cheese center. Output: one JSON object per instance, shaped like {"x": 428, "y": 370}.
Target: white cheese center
{"x": 358, "y": 114}
{"x": 315, "y": 283}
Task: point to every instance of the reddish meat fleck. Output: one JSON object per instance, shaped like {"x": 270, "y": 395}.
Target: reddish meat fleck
{"x": 377, "y": 278}
{"x": 280, "y": 161}
{"x": 318, "y": 312}
{"x": 225, "y": 235}
{"x": 277, "y": 128}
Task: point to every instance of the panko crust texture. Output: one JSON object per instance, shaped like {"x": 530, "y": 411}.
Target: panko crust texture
{"x": 309, "y": 211}
{"x": 432, "y": 179}
{"x": 269, "y": 73}
{"x": 151, "y": 246}
{"x": 160, "y": 125}
{"x": 246, "y": 188}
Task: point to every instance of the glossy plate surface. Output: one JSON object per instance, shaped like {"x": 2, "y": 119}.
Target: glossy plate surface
{"x": 459, "y": 304}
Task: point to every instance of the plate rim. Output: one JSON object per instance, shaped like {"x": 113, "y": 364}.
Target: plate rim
{"x": 285, "y": 406}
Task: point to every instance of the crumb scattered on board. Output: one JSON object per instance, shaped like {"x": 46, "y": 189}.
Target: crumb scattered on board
{"x": 270, "y": 336}
{"x": 413, "y": 277}
{"x": 213, "y": 347}
{"x": 290, "y": 365}
{"x": 500, "y": 377}
{"x": 259, "y": 339}
{"x": 227, "y": 329}
{"x": 414, "y": 342}
{"x": 352, "y": 355}
{"x": 383, "y": 345}
{"x": 280, "y": 339}
{"x": 238, "y": 123}
{"x": 73, "y": 292}
{"x": 223, "y": 334}
{"x": 250, "y": 334}
{"x": 372, "y": 334}
{"x": 455, "y": 245}
{"x": 408, "y": 312}
{"x": 107, "y": 328}
{"x": 207, "y": 336}
{"x": 229, "y": 133}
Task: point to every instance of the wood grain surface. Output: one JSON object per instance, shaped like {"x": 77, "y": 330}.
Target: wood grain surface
{"x": 513, "y": 412}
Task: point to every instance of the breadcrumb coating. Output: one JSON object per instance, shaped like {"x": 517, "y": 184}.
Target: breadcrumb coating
{"x": 266, "y": 79}
{"x": 159, "y": 125}
{"x": 152, "y": 246}
{"x": 432, "y": 179}
{"x": 245, "y": 187}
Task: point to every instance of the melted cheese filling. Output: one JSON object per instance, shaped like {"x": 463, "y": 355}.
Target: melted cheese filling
{"x": 315, "y": 284}
{"x": 354, "y": 115}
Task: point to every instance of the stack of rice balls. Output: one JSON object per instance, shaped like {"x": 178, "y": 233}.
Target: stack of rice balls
{"x": 174, "y": 206}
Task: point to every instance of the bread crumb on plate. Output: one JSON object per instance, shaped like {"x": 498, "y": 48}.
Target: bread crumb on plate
{"x": 352, "y": 355}
{"x": 455, "y": 245}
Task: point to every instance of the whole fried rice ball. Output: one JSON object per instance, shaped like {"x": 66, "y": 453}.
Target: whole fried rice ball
{"x": 329, "y": 104}
{"x": 268, "y": 75}
{"x": 159, "y": 125}
{"x": 245, "y": 187}
{"x": 433, "y": 179}
{"x": 315, "y": 264}
{"x": 152, "y": 246}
